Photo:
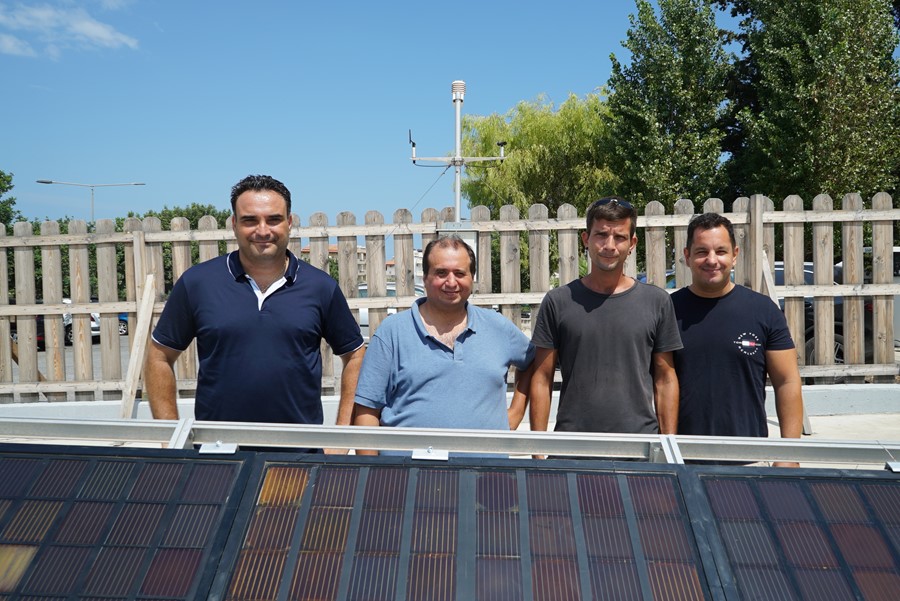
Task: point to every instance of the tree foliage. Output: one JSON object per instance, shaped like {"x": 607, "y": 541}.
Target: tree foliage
{"x": 665, "y": 105}
{"x": 8, "y": 212}
{"x": 815, "y": 100}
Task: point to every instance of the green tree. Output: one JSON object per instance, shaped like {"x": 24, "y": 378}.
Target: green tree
{"x": 8, "y": 212}
{"x": 815, "y": 99}
{"x": 664, "y": 106}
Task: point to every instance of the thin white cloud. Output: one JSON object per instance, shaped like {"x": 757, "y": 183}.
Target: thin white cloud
{"x": 55, "y": 29}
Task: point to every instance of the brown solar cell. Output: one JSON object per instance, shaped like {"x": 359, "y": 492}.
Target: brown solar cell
{"x": 114, "y": 571}
{"x": 437, "y": 489}
{"x": 271, "y": 528}
{"x": 192, "y": 526}
{"x": 16, "y": 475}
{"x": 607, "y": 538}
{"x": 14, "y": 561}
{"x": 496, "y": 491}
{"x": 555, "y": 580}
{"x": 85, "y": 523}
{"x": 58, "y": 479}
{"x": 732, "y": 499}
{"x": 432, "y": 577}
{"x": 209, "y": 483}
{"x": 547, "y": 492}
{"x": 615, "y": 580}
{"x": 283, "y": 485}
{"x": 56, "y": 570}
{"x": 379, "y": 532}
{"x": 32, "y": 521}
{"x": 878, "y": 586}
{"x": 674, "y": 582}
{"x": 386, "y": 488}
{"x": 257, "y": 575}
{"x": 434, "y": 532}
{"x": 749, "y": 543}
{"x": 552, "y": 535}
{"x": 862, "y": 547}
{"x": 498, "y": 533}
{"x": 136, "y": 524}
{"x": 317, "y": 576}
{"x": 664, "y": 539}
{"x": 885, "y": 501}
{"x": 653, "y": 495}
{"x": 600, "y": 495}
{"x": 839, "y": 502}
{"x": 784, "y": 500}
{"x": 823, "y": 585}
{"x": 107, "y": 480}
{"x": 335, "y": 487}
{"x": 156, "y": 481}
{"x": 771, "y": 584}
{"x": 374, "y": 578}
{"x": 498, "y": 579}
{"x": 805, "y": 545}
{"x": 172, "y": 573}
{"x": 326, "y": 529}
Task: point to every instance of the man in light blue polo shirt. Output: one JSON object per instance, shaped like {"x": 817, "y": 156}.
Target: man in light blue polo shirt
{"x": 443, "y": 363}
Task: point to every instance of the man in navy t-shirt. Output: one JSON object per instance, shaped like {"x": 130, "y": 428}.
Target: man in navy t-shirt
{"x": 259, "y": 315}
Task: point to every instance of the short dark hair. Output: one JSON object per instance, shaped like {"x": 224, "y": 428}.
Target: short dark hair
{"x": 258, "y": 183}
{"x": 452, "y": 241}
{"x": 709, "y": 221}
{"x": 611, "y": 208}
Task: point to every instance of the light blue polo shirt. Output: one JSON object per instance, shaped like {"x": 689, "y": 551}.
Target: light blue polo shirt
{"x": 419, "y": 382}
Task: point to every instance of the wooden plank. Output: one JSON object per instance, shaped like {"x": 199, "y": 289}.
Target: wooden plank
{"x": 405, "y": 271}
{"x": 741, "y": 206}
{"x": 26, "y": 326}
{"x": 853, "y": 273}
{"x": 132, "y": 224}
{"x": 51, "y": 282}
{"x": 141, "y": 339}
{"x": 539, "y": 251}
{"x": 510, "y": 264}
{"x": 6, "y": 355}
{"x": 755, "y": 242}
{"x": 569, "y": 248}
{"x": 375, "y": 270}
{"x": 794, "y": 256}
{"x": 80, "y": 293}
{"x": 655, "y": 250}
{"x": 484, "y": 277}
{"x": 823, "y": 269}
{"x": 883, "y": 273}
{"x": 108, "y": 291}
{"x": 318, "y": 257}
{"x": 682, "y": 271}
{"x": 187, "y": 364}
{"x": 208, "y": 249}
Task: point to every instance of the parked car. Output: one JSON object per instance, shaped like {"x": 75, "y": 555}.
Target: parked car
{"x": 68, "y": 330}
{"x": 390, "y": 290}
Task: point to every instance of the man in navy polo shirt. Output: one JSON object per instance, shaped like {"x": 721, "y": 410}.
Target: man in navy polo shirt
{"x": 259, "y": 315}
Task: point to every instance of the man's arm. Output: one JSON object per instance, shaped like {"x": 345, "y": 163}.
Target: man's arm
{"x": 665, "y": 392}
{"x": 516, "y": 410}
{"x": 159, "y": 380}
{"x": 785, "y": 376}
{"x": 366, "y": 416}
{"x": 349, "y": 376}
{"x": 541, "y": 388}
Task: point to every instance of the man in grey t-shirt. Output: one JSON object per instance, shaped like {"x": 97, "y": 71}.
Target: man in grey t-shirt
{"x": 613, "y": 338}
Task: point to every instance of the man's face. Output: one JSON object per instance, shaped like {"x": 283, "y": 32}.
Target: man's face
{"x": 608, "y": 244}
{"x": 448, "y": 283}
{"x": 261, "y": 225}
{"x": 711, "y": 258}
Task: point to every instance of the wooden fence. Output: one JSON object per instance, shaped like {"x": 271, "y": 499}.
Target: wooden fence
{"x": 61, "y": 372}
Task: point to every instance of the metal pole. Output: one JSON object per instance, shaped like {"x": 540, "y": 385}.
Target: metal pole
{"x": 92, "y": 204}
{"x": 458, "y": 89}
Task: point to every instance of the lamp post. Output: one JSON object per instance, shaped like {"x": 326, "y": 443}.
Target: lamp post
{"x": 91, "y": 186}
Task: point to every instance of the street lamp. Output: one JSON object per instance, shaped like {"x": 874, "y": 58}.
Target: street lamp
{"x": 91, "y": 186}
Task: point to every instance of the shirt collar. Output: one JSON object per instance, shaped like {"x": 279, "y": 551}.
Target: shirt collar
{"x": 471, "y": 316}
{"x": 236, "y": 269}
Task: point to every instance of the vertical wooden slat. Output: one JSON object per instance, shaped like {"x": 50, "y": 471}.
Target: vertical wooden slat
{"x": 655, "y": 246}
{"x": 26, "y": 326}
{"x": 375, "y": 268}
{"x": 51, "y": 283}
{"x": 485, "y": 277}
{"x": 6, "y": 367}
{"x": 108, "y": 291}
{"x": 853, "y": 273}
{"x": 742, "y": 238}
{"x": 153, "y": 256}
{"x": 883, "y": 273}
{"x": 539, "y": 250}
{"x": 431, "y": 216}
{"x": 132, "y": 261}
{"x": 318, "y": 257}
{"x": 209, "y": 249}
{"x": 404, "y": 255}
{"x": 793, "y": 276}
{"x": 80, "y": 284}
{"x": 682, "y": 271}
{"x": 569, "y": 247}
{"x": 186, "y": 365}
{"x": 510, "y": 263}
{"x": 753, "y": 258}
{"x": 823, "y": 268}
{"x": 348, "y": 270}
{"x": 768, "y": 234}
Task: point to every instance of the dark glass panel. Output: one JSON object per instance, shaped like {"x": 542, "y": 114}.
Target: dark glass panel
{"x": 257, "y": 575}
{"x": 498, "y": 579}
{"x": 498, "y": 533}
{"x": 14, "y": 561}
{"x": 749, "y": 543}
{"x": 607, "y": 538}
{"x": 732, "y": 499}
{"x": 271, "y": 528}
{"x": 374, "y": 578}
{"x": 136, "y": 524}
{"x": 552, "y": 535}
{"x": 653, "y": 495}
{"x": 335, "y": 487}
{"x": 769, "y": 584}
{"x": 862, "y": 546}
{"x": 16, "y": 475}
{"x": 386, "y": 488}
{"x": 839, "y": 502}
{"x": 823, "y": 585}
{"x": 432, "y": 577}
{"x": 316, "y": 577}
{"x": 878, "y": 586}
{"x": 192, "y": 526}
{"x": 663, "y": 538}
{"x": 326, "y": 529}
{"x": 496, "y": 491}
{"x": 85, "y": 523}
{"x": 885, "y": 501}
{"x": 4, "y": 507}
{"x": 434, "y": 532}
{"x": 805, "y": 546}
{"x": 379, "y": 532}
{"x": 172, "y": 573}
{"x": 107, "y": 480}
{"x": 156, "y": 482}
{"x": 437, "y": 489}
{"x": 555, "y": 580}
{"x": 547, "y": 492}
{"x": 598, "y": 494}
{"x": 893, "y": 533}
{"x": 114, "y": 571}
{"x": 615, "y": 580}
{"x": 32, "y": 521}
{"x": 58, "y": 479}
{"x": 283, "y": 486}
{"x": 674, "y": 582}
{"x": 209, "y": 483}
{"x": 785, "y": 500}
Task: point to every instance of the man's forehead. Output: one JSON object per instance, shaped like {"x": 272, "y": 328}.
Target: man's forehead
{"x": 607, "y": 225}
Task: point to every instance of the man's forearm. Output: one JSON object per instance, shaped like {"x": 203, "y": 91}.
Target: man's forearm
{"x": 349, "y": 377}
{"x": 159, "y": 380}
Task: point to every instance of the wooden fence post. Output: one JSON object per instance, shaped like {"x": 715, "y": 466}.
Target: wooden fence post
{"x": 6, "y": 368}
{"x": 187, "y": 364}
{"x": 742, "y": 205}
{"x": 80, "y": 283}
{"x": 794, "y": 256}
{"x": 682, "y": 271}
{"x": 569, "y": 248}
{"x": 853, "y": 270}
{"x": 108, "y": 291}
{"x": 510, "y": 264}
{"x": 54, "y": 333}
{"x": 404, "y": 256}
{"x": 485, "y": 277}
{"x": 883, "y": 273}
{"x": 318, "y": 257}
{"x": 375, "y": 278}
{"x": 823, "y": 268}
{"x": 655, "y": 251}
{"x": 26, "y": 326}
{"x": 133, "y": 257}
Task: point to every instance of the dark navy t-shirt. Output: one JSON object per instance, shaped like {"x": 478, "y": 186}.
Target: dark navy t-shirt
{"x": 258, "y": 364}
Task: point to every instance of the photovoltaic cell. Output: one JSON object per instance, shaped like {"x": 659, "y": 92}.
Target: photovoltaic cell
{"x": 838, "y": 502}
{"x": 114, "y": 571}
{"x": 58, "y": 479}
{"x": 432, "y": 577}
{"x": 57, "y": 569}
{"x": 14, "y": 561}
{"x": 316, "y": 577}
{"x": 271, "y": 528}
{"x": 615, "y": 580}
{"x": 18, "y": 475}
{"x": 85, "y": 523}
{"x": 32, "y": 521}
{"x": 172, "y": 573}
{"x": 107, "y": 480}
{"x": 674, "y": 581}
{"x": 379, "y": 532}
{"x": 374, "y": 578}
{"x": 599, "y": 495}
{"x": 386, "y": 488}
{"x": 156, "y": 481}
{"x": 283, "y": 486}
{"x": 192, "y": 526}
{"x": 136, "y": 524}
{"x": 257, "y": 575}
{"x": 556, "y": 579}
{"x": 209, "y": 483}
{"x": 498, "y": 579}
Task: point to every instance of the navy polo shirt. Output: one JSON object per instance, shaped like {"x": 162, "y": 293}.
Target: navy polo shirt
{"x": 257, "y": 364}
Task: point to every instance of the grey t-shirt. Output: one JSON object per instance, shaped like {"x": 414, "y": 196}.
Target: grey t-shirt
{"x": 605, "y": 344}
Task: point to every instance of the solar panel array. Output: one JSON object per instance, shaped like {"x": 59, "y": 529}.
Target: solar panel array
{"x": 130, "y": 524}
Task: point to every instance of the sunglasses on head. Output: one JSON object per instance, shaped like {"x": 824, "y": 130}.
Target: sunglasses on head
{"x": 613, "y": 201}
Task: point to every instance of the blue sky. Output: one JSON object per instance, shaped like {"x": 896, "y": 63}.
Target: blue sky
{"x": 190, "y": 96}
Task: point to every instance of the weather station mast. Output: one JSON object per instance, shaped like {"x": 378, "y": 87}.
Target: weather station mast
{"x": 458, "y": 90}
